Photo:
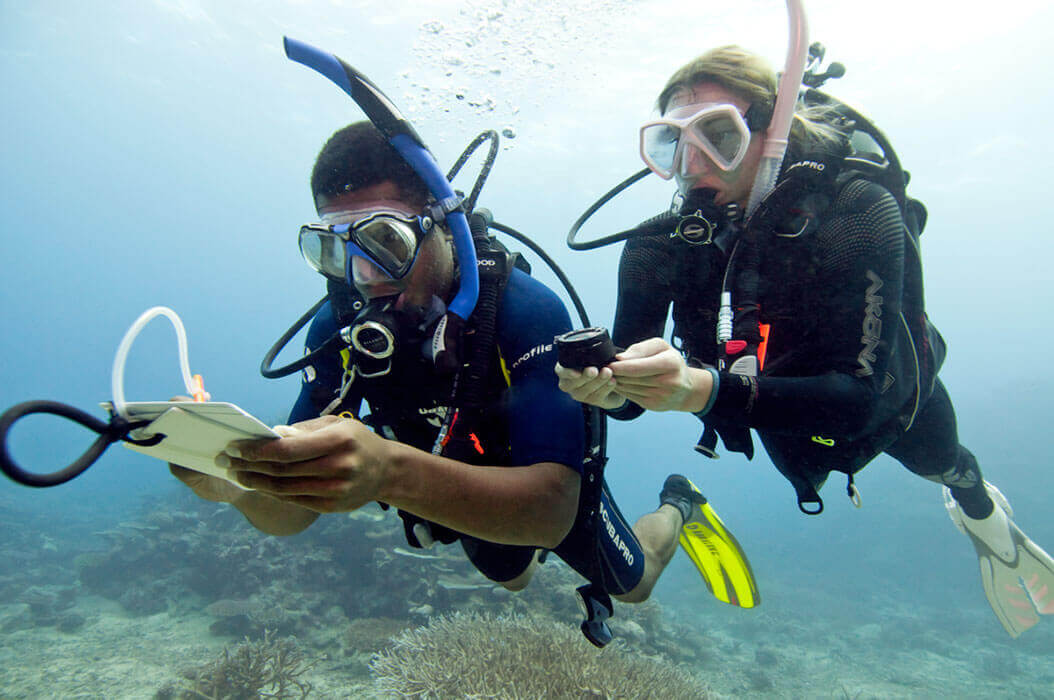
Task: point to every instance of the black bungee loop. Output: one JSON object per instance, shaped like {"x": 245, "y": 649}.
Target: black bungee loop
{"x": 117, "y": 429}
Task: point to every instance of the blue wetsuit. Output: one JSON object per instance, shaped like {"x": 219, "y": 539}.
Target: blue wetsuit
{"x": 528, "y": 420}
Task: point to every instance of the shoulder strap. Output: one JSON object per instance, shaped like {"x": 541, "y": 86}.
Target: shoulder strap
{"x": 495, "y": 268}
{"x": 470, "y": 384}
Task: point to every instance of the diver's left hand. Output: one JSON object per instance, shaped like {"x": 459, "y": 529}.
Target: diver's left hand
{"x": 327, "y": 464}
{"x": 654, "y": 375}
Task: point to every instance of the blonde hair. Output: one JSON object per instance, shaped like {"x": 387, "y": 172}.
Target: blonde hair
{"x": 748, "y": 75}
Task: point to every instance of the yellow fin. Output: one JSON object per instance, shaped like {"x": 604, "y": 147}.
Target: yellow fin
{"x": 719, "y": 558}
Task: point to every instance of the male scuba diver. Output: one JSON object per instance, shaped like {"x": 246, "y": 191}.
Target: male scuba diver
{"x": 507, "y": 479}
{"x": 803, "y": 319}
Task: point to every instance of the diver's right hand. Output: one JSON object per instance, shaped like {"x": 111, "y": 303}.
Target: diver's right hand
{"x": 211, "y": 488}
{"x": 591, "y": 385}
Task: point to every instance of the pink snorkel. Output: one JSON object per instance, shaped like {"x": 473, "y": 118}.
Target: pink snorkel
{"x": 786, "y": 96}
{"x": 774, "y": 148}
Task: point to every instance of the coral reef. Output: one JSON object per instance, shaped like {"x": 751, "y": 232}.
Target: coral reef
{"x": 372, "y": 634}
{"x": 266, "y": 668}
{"x": 49, "y": 605}
{"x": 349, "y": 584}
{"x": 343, "y": 588}
{"x": 35, "y": 579}
{"x": 184, "y": 554}
{"x": 518, "y": 656}
{"x": 362, "y": 638}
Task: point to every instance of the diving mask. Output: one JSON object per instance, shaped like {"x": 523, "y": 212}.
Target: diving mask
{"x": 388, "y": 240}
{"x": 719, "y": 131}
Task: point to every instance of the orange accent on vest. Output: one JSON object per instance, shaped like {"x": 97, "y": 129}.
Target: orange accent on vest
{"x": 763, "y": 328}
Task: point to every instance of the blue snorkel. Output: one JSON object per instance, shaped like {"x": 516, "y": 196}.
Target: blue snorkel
{"x": 404, "y": 139}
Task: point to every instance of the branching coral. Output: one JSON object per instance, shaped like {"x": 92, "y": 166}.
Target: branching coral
{"x": 472, "y": 655}
{"x": 267, "y": 668}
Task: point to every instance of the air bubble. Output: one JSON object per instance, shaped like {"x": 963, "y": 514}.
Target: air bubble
{"x": 505, "y": 49}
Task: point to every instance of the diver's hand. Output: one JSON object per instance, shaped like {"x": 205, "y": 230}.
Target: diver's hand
{"x": 592, "y": 385}
{"x": 326, "y": 464}
{"x": 211, "y": 488}
{"x": 655, "y": 375}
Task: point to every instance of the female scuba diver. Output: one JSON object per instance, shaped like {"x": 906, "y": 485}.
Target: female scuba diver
{"x": 804, "y": 320}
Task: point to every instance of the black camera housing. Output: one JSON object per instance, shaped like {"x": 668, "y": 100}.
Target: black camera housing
{"x": 586, "y": 347}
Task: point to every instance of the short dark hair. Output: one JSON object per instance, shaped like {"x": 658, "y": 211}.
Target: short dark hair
{"x": 359, "y": 156}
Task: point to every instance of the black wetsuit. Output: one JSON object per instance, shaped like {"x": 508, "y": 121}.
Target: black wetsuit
{"x": 527, "y": 420}
{"x": 849, "y": 370}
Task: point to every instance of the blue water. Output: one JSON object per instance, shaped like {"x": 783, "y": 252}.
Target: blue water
{"x": 159, "y": 153}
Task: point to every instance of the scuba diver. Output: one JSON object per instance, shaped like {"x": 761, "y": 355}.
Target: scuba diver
{"x": 798, "y": 309}
{"x": 467, "y": 433}
{"x": 508, "y": 480}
